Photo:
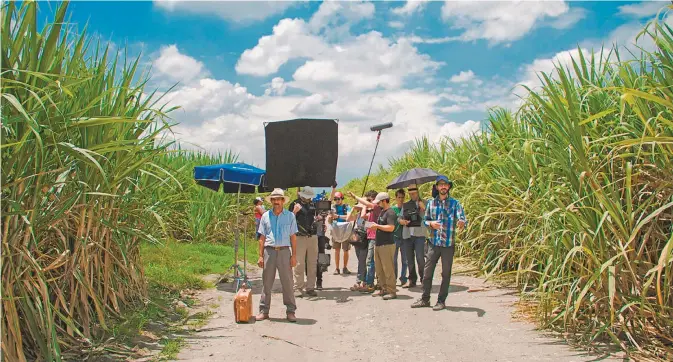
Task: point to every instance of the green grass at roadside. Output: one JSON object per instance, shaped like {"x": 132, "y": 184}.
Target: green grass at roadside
{"x": 179, "y": 265}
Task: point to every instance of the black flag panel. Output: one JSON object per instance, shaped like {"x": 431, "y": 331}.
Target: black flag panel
{"x": 301, "y": 152}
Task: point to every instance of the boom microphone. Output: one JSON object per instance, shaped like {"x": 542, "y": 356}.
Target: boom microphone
{"x": 380, "y": 127}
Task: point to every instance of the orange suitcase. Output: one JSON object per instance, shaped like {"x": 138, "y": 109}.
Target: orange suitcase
{"x": 243, "y": 305}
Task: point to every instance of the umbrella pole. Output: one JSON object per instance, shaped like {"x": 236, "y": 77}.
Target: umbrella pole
{"x": 378, "y": 137}
{"x": 245, "y": 249}
{"x": 238, "y": 204}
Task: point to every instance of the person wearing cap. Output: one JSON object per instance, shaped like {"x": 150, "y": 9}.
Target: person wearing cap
{"x": 443, "y": 215}
{"x": 277, "y": 252}
{"x": 259, "y": 211}
{"x": 305, "y": 273}
{"x": 341, "y": 210}
{"x": 413, "y": 236}
{"x": 384, "y": 251}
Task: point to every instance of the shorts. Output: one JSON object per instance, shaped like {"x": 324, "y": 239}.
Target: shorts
{"x": 345, "y": 245}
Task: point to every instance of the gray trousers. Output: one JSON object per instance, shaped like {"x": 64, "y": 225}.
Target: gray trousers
{"x": 277, "y": 260}
{"x": 434, "y": 254}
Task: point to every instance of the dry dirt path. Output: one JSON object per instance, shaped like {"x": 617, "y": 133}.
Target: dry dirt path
{"x": 340, "y": 325}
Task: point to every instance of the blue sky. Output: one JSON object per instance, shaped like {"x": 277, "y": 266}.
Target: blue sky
{"x": 431, "y": 68}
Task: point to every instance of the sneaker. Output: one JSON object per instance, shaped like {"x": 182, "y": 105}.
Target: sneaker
{"x": 291, "y": 318}
{"x": 298, "y": 294}
{"x": 439, "y": 306}
{"x": 421, "y": 304}
{"x": 346, "y": 271}
{"x": 311, "y": 293}
{"x": 262, "y": 316}
{"x": 318, "y": 285}
{"x": 337, "y": 272}
{"x": 389, "y": 296}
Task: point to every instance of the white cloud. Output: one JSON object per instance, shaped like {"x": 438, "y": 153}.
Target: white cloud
{"x": 568, "y": 19}
{"x": 175, "y": 66}
{"x": 454, "y": 108}
{"x": 276, "y": 87}
{"x": 236, "y": 11}
{"x": 410, "y": 7}
{"x": 417, "y": 39}
{"x": 290, "y": 39}
{"x": 365, "y": 62}
{"x": 643, "y": 9}
{"x": 500, "y": 22}
{"x": 396, "y": 24}
{"x": 464, "y": 76}
{"x": 336, "y": 12}
{"x": 207, "y": 98}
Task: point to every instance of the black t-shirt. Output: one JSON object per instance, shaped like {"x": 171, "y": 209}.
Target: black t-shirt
{"x": 305, "y": 217}
{"x": 387, "y": 217}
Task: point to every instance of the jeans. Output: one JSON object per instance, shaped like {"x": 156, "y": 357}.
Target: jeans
{"x": 434, "y": 254}
{"x": 400, "y": 249}
{"x": 361, "y": 254}
{"x": 415, "y": 246}
{"x": 371, "y": 270}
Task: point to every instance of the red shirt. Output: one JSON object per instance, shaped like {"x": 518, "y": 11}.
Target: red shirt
{"x": 373, "y": 216}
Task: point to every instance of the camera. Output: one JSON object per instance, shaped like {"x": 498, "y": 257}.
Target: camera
{"x": 323, "y": 206}
{"x": 413, "y": 216}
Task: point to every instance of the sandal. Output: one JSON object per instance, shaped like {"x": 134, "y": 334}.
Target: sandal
{"x": 355, "y": 288}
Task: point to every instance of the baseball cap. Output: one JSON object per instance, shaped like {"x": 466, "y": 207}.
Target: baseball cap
{"x": 381, "y": 196}
{"x": 445, "y": 179}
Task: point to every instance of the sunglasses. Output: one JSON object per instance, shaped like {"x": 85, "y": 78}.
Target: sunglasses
{"x": 337, "y": 199}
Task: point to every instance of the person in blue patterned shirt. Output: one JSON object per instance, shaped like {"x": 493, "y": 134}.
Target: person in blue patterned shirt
{"x": 443, "y": 215}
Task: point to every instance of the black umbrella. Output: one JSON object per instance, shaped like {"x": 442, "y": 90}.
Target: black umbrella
{"x": 416, "y": 176}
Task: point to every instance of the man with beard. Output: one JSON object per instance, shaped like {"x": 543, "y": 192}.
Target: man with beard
{"x": 277, "y": 250}
{"x": 442, "y": 215}
{"x": 307, "y": 243}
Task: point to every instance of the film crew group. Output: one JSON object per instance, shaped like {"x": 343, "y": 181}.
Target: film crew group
{"x": 440, "y": 216}
{"x": 376, "y": 239}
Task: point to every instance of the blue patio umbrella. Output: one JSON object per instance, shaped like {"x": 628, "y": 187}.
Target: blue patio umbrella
{"x": 232, "y": 178}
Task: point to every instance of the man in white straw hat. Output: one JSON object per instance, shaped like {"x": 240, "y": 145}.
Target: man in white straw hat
{"x": 277, "y": 229}
{"x": 307, "y": 243}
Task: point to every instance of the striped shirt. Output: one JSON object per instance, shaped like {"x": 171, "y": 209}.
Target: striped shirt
{"x": 447, "y": 212}
{"x": 277, "y": 229}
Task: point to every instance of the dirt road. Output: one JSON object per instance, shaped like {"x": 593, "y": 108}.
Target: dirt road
{"x": 340, "y": 325}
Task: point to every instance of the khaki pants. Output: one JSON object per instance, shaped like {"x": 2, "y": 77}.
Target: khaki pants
{"x": 385, "y": 269}
{"x": 307, "y": 261}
